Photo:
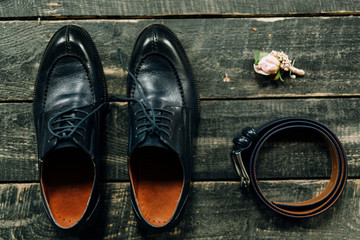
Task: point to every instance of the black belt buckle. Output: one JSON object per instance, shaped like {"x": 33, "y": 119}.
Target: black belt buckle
{"x": 243, "y": 142}
{"x": 240, "y": 168}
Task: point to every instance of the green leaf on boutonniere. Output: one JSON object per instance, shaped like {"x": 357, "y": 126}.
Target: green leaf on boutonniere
{"x": 259, "y": 55}
{"x": 281, "y": 77}
{"x": 278, "y": 75}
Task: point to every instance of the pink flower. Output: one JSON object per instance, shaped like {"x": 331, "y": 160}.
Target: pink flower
{"x": 268, "y": 65}
{"x": 275, "y": 63}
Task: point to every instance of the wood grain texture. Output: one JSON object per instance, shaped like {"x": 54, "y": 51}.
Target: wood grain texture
{"x": 330, "y": 55}
{"x": 151, "y": 8}
{"x": 216, "y": 210}
{"x": 300, "y": 156}
{"x": 219, "y": 38}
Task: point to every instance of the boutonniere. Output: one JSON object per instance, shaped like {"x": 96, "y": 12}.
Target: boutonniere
{"x": 275, "y": 63}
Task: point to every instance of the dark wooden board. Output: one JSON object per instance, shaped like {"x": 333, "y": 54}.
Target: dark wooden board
{"x": 216, "y": 210}
{"x": 329, "y": 54}
{"x": 298, "y": 157}
{"x": 153, "y": 8}
{"x": 219, "y": 38}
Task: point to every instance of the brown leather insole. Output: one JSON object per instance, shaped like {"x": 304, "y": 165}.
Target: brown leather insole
{"x": 67, "y": 178}
{"x": 157, "y": 177}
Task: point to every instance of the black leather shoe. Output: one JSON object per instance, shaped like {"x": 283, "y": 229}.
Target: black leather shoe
{"x": 70, "y": 95}
{"x": 161, "y": 135}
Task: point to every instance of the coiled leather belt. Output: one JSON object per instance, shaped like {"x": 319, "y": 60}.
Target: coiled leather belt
{"x": 249, "y": 144}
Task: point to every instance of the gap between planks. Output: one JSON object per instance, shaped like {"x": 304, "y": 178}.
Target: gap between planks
{"x": 210, "y": 181}
{"x": 181, "y": 16}
{"x": 254, "y": 97}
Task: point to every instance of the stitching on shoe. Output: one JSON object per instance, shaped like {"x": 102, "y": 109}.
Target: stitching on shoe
{"x": 47, "y": 82}
{"x": 51, "y": 72}
{"x": 172, "y": 68}
{"x": 96, "y": 59}
{"x": 187, "y": 61}
{"x": 68, "y": 45}
{"x": 43, "y": 56}
{"x": 155, "y": 41}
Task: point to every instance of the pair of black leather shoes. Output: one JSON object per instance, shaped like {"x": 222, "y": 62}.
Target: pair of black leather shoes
{"x": 69, "y": 103}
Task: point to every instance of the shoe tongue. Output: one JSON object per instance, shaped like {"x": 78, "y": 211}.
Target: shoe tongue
{"x": 158, "y": 103}
{"x": 153, "y": 140}
{"x": 65, "y": 144}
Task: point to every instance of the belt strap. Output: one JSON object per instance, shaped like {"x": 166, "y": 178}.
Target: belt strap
{"x": 248, "y": 145}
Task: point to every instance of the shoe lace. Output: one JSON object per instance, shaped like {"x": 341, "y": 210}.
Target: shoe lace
{"x": 153, "y": 116}
{"x": 66, "y": 123}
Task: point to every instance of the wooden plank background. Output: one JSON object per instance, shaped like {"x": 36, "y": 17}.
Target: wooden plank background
{"x": 219, "y": 37}
{"x": 166, "y": 8}
{"x": 330, "y": 56}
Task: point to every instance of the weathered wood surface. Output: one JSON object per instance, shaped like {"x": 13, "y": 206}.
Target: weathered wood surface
{"x": 298, "y": 157}
{"x": 330, "y": 55}
{"x": 219, "y": 37}
{"x": 152, "y": 8}
{"x": 216, "y": 210}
